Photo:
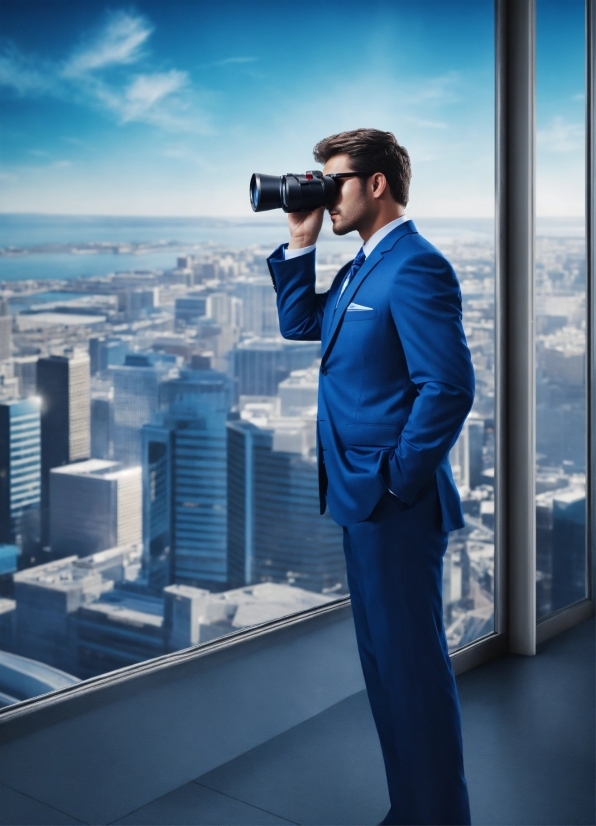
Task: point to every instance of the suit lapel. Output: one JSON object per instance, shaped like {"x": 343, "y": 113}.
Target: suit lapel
{"x": 335, "y": 317}
{"x": 332, "y": 298}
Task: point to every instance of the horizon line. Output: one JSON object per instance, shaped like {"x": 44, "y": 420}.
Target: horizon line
{"x": 246, "y": 217}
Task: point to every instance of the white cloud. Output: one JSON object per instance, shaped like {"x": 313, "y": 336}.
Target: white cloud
{"x": 561, "y": 137}
{"x": 118, "y": 43}
{"x": 158, "y": 98}
{"x": 146, "y": 91}
{"x": 24, "y": 74}
{"x": 161, "y": 98}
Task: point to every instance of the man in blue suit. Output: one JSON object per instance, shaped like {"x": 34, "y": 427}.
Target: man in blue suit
{"x": 396, "y": 384}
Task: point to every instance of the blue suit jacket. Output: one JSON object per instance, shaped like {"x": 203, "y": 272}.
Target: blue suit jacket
{"x": 396, "y": 380}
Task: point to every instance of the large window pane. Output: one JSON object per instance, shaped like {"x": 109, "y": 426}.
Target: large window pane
{"x": 560, "y": 296}
{"x": 159, "y": 484}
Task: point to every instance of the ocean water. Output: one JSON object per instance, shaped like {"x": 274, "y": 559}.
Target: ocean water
{"x": 64, "y": 265}
{"x": 193, "y": 234}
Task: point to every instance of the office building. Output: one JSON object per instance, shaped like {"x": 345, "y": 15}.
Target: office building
{"x": 102, "y": 424}
{"x": 260, "y": 364}
{"x": 107, "y": 352}
{"x": 137, "y": 303}
{"x": 118, "y": 629}
{"x": 5, "y": 331}
{"x": 183, "y": 608}
{"x": 193, "y": 615}
{"x": 275, "y": 532}
{"x": 191, "y": 307}
{"x": 136, "y": 401}
{"x": 94, "y": 505}
{"x": 25, "y": 370}
{"x": 259, "y": 308}
{"x": 184, "y": 472}
{"x": 157, "y": 452}
{"x": 63, "y": 385}
{"x": 224, "y": 309}
{"x": 466, "y": 456}
{"x": 20, "y": 464}
{"x": 299, "y": 391}
{"x": 48, "y": 596}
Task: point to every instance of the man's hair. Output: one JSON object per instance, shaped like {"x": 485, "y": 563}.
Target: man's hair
{"x": 370, "y": 151}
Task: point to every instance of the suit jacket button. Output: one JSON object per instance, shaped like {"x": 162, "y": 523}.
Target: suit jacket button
{"x": 324, "y": 371}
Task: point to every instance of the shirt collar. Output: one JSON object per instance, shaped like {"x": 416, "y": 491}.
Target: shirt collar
{"x": 381, "y": 233}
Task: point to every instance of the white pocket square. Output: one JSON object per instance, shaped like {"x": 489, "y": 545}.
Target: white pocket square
{"x": 353, "y": 306}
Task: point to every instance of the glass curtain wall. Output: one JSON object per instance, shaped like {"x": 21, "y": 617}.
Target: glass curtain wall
{"x": 560, "y": 302}
{"x": 172, "y": 496}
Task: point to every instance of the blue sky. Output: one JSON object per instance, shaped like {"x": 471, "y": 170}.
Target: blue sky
{"x": 166, "y": 108}
{"x": 560, "y": 107}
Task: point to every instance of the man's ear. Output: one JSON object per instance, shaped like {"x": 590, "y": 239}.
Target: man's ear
{"x": 379, "y": 184}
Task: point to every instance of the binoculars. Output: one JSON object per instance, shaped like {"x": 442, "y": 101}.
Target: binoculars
{"x": 294, "y": 193}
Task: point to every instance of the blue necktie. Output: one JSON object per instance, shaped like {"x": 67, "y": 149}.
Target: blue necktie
{"x": 356, "y": 264}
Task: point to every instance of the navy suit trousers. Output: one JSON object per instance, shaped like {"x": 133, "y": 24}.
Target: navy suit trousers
{"x": 394, "y": 563}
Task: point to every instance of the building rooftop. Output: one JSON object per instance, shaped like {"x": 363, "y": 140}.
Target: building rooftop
{"x": 97, "y": 467}
{"x": 28, "y": 321}
{"x": 129, "y": 609}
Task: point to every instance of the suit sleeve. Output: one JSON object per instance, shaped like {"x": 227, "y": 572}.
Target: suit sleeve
{"x": 299, "y": 307}
{"x": 426, "y": 308}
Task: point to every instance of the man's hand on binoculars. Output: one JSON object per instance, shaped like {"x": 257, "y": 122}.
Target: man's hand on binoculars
{"x": 305, "y": 227}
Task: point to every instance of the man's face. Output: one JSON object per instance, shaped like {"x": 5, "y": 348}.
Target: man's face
{"x": 351, "y": 204}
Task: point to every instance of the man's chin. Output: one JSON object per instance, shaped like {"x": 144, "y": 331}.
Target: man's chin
{"x": 341, "y": 229}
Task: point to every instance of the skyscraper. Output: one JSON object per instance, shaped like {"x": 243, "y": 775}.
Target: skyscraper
{"x": 157, "y": 453}
{"x": 94, "y": 505}
{"x": 25, "y": 369}
{"x": 466, "y": 455}
{"x": 63, "y": 385}
{"x": 20, "y": 464}
{"x": 102, "y": 424}
{"x": 275, "y": 532}
{"x": 184, "y": 467}
{"x": 136, "y": 401}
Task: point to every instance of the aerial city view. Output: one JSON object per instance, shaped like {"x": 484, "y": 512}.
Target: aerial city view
{"x": 158, "y": 439}
{"x": 162, "y": 486}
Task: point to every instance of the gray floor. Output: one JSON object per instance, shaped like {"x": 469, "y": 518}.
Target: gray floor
{"x": 529, "y": 745}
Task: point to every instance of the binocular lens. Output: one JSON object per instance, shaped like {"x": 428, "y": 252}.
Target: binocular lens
{"x": 265, "y": 192}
